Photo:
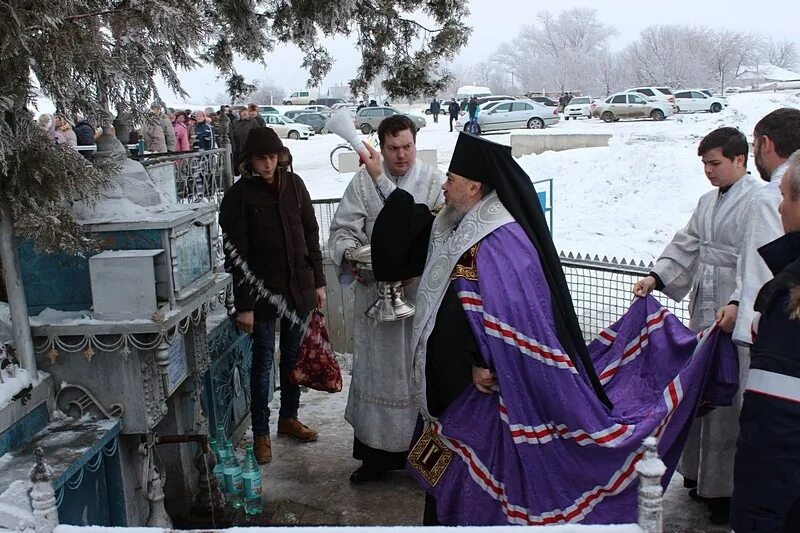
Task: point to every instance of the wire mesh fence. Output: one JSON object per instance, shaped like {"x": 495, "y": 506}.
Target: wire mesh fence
{"x": 601, "y": 290}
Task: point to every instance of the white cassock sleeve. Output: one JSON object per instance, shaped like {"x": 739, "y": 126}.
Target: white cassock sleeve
{"x": 762, "y": 225}
{"x": 678, "y": 262}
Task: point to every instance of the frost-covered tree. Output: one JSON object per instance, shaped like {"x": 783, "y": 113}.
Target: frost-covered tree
{"x": 783, "y": 53}
{"x": 729, "y": 52}
{"x": 88, "y": 55}
{"x": 669, "y": 55}
{"x": 556, "y": 51}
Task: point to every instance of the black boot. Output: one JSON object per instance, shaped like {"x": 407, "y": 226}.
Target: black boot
{"x": 364, "y": 475}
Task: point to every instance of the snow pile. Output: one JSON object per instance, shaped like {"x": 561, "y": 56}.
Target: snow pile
{"x": 14, "y": 380}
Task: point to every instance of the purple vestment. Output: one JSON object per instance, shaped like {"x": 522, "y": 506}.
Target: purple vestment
{"x": 542, "y": 449}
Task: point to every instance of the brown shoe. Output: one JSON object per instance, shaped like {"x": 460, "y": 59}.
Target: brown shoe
{"x": 262, "y": 448}
{"x": 292, "y": 427}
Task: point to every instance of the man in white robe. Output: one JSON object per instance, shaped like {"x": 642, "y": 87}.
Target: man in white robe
{"x": 379, "y": 405}
{"x": 702, "y": 258}
{"x": 776, "y": 137}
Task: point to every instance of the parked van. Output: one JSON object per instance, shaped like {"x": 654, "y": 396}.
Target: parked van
{"x": 304, "y": 97}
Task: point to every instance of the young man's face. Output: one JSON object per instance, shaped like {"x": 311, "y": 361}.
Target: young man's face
{"x": 399, "y": 152}
{"x": 264, "y": 165}
{"x": 721, "y": 171}
{"x": 789, "y": 209}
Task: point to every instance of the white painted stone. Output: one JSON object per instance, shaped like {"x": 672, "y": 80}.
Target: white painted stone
{"x": 537, "y": 143}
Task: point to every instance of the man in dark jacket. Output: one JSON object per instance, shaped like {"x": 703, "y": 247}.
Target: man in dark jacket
{"x": 240, "y": 129}
{"x": 122, "y": 124}
{"x": 766, "y": 493}
{"x": 254, "y": 114}
{"x": 84, "y": 131}
{"x": 453, "y": 109}
{"x": 435, "y": 108}
{"x": 268, "y": 224}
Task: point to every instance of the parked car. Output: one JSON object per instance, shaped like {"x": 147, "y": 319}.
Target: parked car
{"x": 544, "y": 100}
{"x": 292, "y": 113}
{"x": 368, "y": 118}
{"x": 485, "y": 100}
{"x": 325, "y": 110}
{"x": 694, "y": 100}
{"x": 288, "y": 129}
{"x": 304, "y": 97}
{"x": 579, "y": 106}
{"x": 657, "y": 93}
{"x": 267, "y": 110}
{"x": 512, "y": 114}
{"x": 442, "y": 108}
{"x": 631, "y": 105}
{"x": 732, "y": 90}
{"x": 330, "y": 102}
{"x": 315, "y": 120}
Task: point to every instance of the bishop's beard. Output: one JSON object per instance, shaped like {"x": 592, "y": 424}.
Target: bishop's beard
{"x": 451, "y": 215}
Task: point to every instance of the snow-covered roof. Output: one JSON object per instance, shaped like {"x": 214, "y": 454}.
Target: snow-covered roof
{"x": 770, "y": 72}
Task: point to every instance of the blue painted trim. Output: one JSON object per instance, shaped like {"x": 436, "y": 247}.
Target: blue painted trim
{"x": 23, "y": 430}
{"x": 96, "y": 448}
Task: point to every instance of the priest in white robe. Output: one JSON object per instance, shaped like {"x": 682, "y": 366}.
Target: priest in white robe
{"x": 379, "y": 405}
{"x": 702, "y": 258}
{"x": 776, "y": 137}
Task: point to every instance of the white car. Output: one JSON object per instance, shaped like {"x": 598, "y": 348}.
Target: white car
{"x": 579, "y": 106}
{"x": 514, "y": 114}
{"x": 693, "y": 100}
{"x": 287, "y": 128}
{"x": 655, "y": 93}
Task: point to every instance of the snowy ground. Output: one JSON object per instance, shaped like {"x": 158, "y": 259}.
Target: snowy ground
{"x": 626, "y": 200}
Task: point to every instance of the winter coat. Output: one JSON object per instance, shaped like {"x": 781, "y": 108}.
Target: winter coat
{"x": 84, "y": 133}
{"x": 239, "y": 131}
{"x": 472, "y": 109}
{"x": 435, "y": 107}
{"x": 261, "y": 122}
{"x": 181, "y": 137}
{"x": 169, "y": 134}
{"x": 122, "y": 128}
{"x": 277, "y": 235}
{"x": 454, "y": 109}
{"x": 204, "y": 136}
{"x": 767, "y": 466}
{"x": 69, "y": 137}
{"x": 153, "y": 133}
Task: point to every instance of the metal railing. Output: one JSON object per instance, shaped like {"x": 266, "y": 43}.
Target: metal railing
{"x": 199, "y": 176}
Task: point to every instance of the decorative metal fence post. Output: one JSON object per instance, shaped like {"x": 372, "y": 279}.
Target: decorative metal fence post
{"x": 223, "y": 126}
{"x": 650, "y": 469}
{"x": 43, "y": 498}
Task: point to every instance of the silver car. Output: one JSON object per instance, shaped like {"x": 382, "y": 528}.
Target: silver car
{"x": 368, "y": 118}
{"x": 515, "y": 114}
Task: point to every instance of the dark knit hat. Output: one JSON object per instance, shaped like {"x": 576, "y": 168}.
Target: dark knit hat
{"x": 261, "y": 141}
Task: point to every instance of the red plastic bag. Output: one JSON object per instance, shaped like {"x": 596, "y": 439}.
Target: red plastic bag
{"x": 317, "y": 367}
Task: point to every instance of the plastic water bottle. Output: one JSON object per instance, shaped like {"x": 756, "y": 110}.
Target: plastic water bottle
{"x": 233, "y": 478}
{"x": 141, "y": 146}
{"x": 219, "y": 468}
{"x": 251, "y": 475}
{"x": 222, "y": 441}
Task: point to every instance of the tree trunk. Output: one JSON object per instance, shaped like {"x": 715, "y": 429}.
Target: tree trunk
{"x": 17, "y": 304}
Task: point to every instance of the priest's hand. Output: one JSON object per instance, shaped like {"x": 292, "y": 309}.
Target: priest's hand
{"x": 726, "y": 317}
{"x": 644, "y": 286}
{"x": 483, "y": 379}
{"x": 373, "y": 164}
{"x": 244, "y": 320}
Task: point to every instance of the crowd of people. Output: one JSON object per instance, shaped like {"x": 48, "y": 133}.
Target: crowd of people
{"x": 163, "y": 130}
{"x": 738, "y": 257}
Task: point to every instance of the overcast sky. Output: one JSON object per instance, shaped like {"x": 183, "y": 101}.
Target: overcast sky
{"x": 497, "y": 21}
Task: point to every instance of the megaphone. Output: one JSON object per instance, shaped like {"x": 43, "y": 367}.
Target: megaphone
{"x": 341, "y": 123}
